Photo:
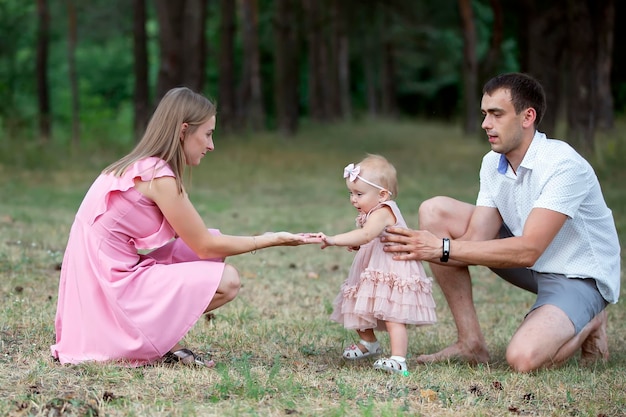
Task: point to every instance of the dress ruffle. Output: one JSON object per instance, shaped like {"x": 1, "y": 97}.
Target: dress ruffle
{"x": 383, "y": 296}
{"x": 380, "y": 289}
{"x": 146, "y": 169}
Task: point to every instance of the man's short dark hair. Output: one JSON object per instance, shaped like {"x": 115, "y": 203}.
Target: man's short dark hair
{"x": 525, "y": 91}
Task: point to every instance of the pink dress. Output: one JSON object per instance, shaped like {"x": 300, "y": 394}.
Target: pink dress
{"x": 379, "y": 288}
{"x": 115, "y": 304}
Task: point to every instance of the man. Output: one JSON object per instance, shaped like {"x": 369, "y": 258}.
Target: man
{"x": 540, "y": 222}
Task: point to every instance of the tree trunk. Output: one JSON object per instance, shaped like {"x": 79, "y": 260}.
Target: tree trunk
{"x": 580, "y": 114}
{"x": 604, "y": 24}
{"x": 388, "y": 90}
{"x": 490, "y": 63}
{"x": 546, "y": 36}
{"x": 43, "y": 90}
{"x": 343, "y": 60}
{"x": 315, "y": 60}
{"x": 181, "y": 44}
{"x": 226, "y": 101}
{"x": 470, "y": 69}
{"x": 250, "y": 98}
{"x": 332, "y": 90}
{"x": 286, "y": 67}
{"x": 140, "y": 52}
{"x": 388, "y": 67}
{"x": 371, "y": 85}
{"x": 618, "y": 71}
{"x": 73, "y": 78}
{"x": 369, "y": 52}
{"x": 169, "y": 16}
{"x": 193, "y": 39}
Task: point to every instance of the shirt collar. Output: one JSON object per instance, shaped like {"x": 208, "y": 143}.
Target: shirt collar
{"x": 529, "y": 158}
{"x": 503, "y": 165}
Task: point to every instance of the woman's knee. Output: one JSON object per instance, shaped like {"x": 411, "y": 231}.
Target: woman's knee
{"x": 230, "y": 283}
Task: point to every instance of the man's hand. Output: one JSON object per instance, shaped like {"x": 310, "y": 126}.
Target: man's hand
{"x": 409, "y": 244}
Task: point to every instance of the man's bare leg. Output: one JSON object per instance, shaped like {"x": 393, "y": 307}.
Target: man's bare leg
{"x": 470, "y": 345}
{"x": 595, "y": 346}
{"x": 444, "y": 216}
{"x": 546, "y": 338}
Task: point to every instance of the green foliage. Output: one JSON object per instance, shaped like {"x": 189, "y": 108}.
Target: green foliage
{"x": 428, "y": 57}
{"x": 104, "y": 64}
{"x": 427, "y": 40}
{"x": 17, "y": 63}
{"x": 111, "y": 85}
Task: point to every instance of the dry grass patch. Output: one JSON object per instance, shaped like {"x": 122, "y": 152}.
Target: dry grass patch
{"x": 277, "y": 352}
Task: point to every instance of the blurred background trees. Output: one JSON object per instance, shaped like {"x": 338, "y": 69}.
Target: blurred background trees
{"x": 92, "y": 71}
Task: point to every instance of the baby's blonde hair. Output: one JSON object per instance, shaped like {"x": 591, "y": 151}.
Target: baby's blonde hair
{"x": 380, "y": 171}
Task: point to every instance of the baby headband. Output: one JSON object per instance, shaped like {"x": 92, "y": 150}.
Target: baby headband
{"x": 352, "y": 172}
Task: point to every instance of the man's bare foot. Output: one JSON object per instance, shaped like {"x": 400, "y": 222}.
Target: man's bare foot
{"x": 457, "y": 351}
{"x": 596, "y": 345}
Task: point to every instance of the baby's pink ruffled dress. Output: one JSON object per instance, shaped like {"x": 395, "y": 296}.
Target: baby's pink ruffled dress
{"x": 115, "y": 304}
{"x": 379, "y": 288}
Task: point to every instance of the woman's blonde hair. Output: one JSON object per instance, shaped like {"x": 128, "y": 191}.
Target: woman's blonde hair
{"x": 162, "y": 137}
{"x": 378, "y": 170}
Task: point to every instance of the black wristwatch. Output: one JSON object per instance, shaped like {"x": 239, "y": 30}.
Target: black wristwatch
{"x": 445, "y": 255}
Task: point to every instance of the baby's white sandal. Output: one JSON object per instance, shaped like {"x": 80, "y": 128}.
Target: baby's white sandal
{"x": 353, "y": 352}
{"x": 392, "y": 364}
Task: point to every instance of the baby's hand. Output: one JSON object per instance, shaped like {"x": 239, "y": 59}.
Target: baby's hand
{"x": 325, "y": 240}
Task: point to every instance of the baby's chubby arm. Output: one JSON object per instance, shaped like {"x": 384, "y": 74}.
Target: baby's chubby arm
{"x": 375, "y": 225}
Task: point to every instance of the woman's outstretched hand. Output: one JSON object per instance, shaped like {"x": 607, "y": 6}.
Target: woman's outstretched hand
{"x": 294, "y": 239}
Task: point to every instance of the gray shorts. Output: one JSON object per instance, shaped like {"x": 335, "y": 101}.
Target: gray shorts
{"x": 579, "y": 298}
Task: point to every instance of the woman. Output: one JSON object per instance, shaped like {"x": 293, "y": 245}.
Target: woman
{"x": 116, "y": 304}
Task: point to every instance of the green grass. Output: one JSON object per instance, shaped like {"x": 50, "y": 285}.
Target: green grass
{"x": 277, "y": 352}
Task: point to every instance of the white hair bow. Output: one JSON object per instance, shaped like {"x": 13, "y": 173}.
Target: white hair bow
{"x": 352, "y": 172}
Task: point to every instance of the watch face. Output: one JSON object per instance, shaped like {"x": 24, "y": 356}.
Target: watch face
{"x": 446, "y": 250}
